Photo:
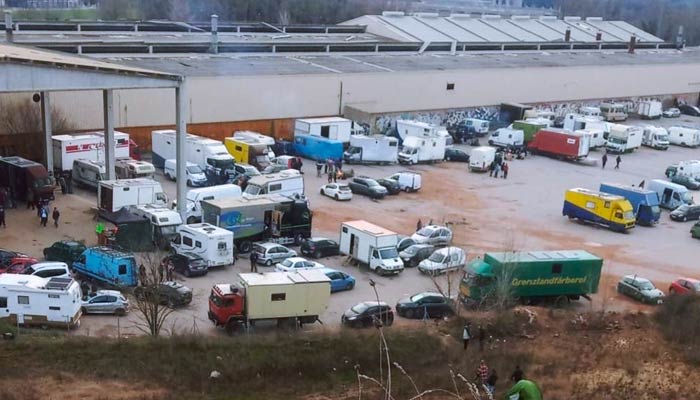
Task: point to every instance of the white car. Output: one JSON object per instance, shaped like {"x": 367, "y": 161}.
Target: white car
{"x": 433, "y": 234}
{"x": 672, "y": 113}
{"x": 443, "y": 260}
{"x": 338, "y": 191}
{"x": 297, "y": 264}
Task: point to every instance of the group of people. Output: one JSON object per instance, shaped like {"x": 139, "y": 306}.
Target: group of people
{"x": 333, "y": 168}
{"x": 43, "y": 214}
{"x": 618, "y": 160}
{"x": 166, "y": 269}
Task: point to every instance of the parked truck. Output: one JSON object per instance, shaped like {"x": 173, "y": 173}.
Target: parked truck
{"x": 288, "y": 298}
{"x": 246, "y": 150}
{"x": 333, "y": 128}
{"x": 21, "y": 176}
{"x": 163, "y": 221}
{"x": 371, "y": 245}
{"x": 560, "y": 143}
{"x": 655, "y": 137}
{"x": 645, "y": 203}
{"x": 317, "y": 148}
{"x": 684, "y": 136}
{"x": 481, "y": 158}
{"x": 624, "y": 138}
{"x": 107, "y": 265}
{"x": 611, "y": 211}
{"x": 30, "y": 300}
{"x": 534, "y": 276}
{"x": 529, "y": 129}
{"x": 511, "y": 112}
{"x": 378, "y": 149}
{"x": 650, "y": 109}
{"x": 272, "y": 218}
{"x": 114, "y": 195}
{"x": 422, "y": 149}
{"x": 211, "y": 155}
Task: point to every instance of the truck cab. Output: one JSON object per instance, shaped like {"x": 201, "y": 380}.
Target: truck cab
{"x": 164, "y": 222}
{"x": 385, "y": 260}
{"x": 227, "y": 306}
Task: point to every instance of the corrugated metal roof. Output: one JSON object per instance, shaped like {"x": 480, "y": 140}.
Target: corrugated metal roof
{"x": 509, "y": 29}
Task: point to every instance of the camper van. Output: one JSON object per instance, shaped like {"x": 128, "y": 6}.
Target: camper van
{"x": 34, "y": 301}
{"x": 612, "y": 112}
{"x": 655, "y": 137}
{"x": 212, "y": 244}
{"x": 682, "y": 136}
{"x": 131, "y": 169}
{"x": 194, "y": 173}
{"x": 196, "y": 196}
{"x": 114, "y": 195}
{"x": 671, "y": 195}
{"x": 288, "y": 183}
{"x": 88, "y": 173}
{"x": 481, "y": 158}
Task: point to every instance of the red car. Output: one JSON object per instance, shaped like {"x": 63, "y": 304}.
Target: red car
{"x": 685, "y": 286}
{"x": 17, "y": 265}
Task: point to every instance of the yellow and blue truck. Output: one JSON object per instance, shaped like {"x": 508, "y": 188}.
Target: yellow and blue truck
{"x": 612, "y": 211}
{"x": 248, "y": 151}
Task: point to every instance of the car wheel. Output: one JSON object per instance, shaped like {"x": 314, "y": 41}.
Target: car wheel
{"x": 336, "y": 197}
{"x": 322, "y": 192}
{"x": 189, "y": 183}
{"x": 317, "y": 254}
{"x": 351, "y": 286}
{"x": 380, "y": 271}
{"x": 410, "y": 314}
{"x": 685, "y": 219}
{"x": 119, "y": 312}
{"x": 268, "y": 263}
{"x": 298, "y": 238}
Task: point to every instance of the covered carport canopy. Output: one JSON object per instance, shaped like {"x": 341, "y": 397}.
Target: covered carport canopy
{"x": 24, "y": 69}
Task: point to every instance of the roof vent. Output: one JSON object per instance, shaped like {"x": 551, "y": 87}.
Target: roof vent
{"x": 393, "y": 14}
{"x": 572, "y": 19}
{"x": 426, "y": 15}
{"x": 490, "y": 16}
{"x": 520, "y": 17}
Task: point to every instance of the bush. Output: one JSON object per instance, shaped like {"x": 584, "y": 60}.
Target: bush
{"x": 679, "y": 321}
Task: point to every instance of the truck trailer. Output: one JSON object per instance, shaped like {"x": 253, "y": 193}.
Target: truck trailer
{"x": 89, "y": 146}
{"x": 22, "y": 176}
{"x": 611, "y": 211}
{"x": 645, "y": 203}
{"x": 317, "y": 148}
{"x": 287, "y": 298}
{"x": 378, "y": 149}
{"x": 560, "y": 143}
{"x": 529, "y": 128}
{"x": 371, "y": 245}
{"x": 534, "y": 276}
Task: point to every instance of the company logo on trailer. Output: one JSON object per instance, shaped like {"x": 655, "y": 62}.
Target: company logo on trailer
{"x": 78, "y": 148}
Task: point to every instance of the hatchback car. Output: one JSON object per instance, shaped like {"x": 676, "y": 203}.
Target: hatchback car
{"x": 687, "y": 181}
{"x": 173, "y": 294}
{"x": 454, "y": 154}
{"x": 49, "y": 270}
{"x": 391, "y": 186}
{"x": 686, "y": 212}
{"x": 640, "y": 289}
{"x": 296, "y": 264}
{"x": 318, "y": 247}
{"x": 338, "y": 191}
{"x": 105, "y": 302}
{"x": 188, "y": 264}
{"x": 272, "y": 253}
{"x": 414, "y": 254}
{"x": 684, "y": 286}
{"x": 368, "y": 313}
{"x": 67, "y": 251}
{"x": 339, "y": 280}
{"x": 689, "y": 110}
{"x": 424, "y": 305}
{"x": 443, "y": 260}
{"x": 672, "y": 113}
{"x": 433, "y": 234}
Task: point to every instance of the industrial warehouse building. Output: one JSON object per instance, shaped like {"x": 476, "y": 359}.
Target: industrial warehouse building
{"x": 373, "y": 69}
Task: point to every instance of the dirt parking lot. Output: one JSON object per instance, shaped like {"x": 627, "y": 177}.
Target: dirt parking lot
{"x": 522, "y": 212}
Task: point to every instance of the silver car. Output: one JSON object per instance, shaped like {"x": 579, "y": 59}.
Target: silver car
{"x": 433, "y": 234}
{"x": 272, "y": 253}
{"x": 105, "y": 302}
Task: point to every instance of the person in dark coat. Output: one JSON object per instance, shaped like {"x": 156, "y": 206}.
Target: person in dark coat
{"x": 44, "y": 216}
{"x": 56, "y": 215}
{"x": 2, "y": 216}
{"x": 253, "y": 262}
{"x": 618, "y": 160}
{"x": 517, "y": 375}
{"x": 605, "y": 159}
{"x": 142, "y": 275}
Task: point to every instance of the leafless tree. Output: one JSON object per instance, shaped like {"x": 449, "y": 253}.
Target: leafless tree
{"x": 503, "y": 293}
{"x": 149, "y": 295}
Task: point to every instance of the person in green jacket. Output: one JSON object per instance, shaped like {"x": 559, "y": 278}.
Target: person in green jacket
{"x": 526, "y": 390}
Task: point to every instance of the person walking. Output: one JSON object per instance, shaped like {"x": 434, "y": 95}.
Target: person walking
{"x": 2, "y": 216}
{"x": 517, "y": 375}
{"x": 299, "y": 164}
{"x": 55, "y": 216}
{"x": 492, "y": 167}
{"x": 340, "y": 164}
{"x": 491, "y": 382}
{"x": 44, "y": 215}
{"x": 482, "y": 373}
{"x": 253, "y": 262}
{"x": 319, "y": 167}
{"x": 419, "y": 225}
{"x": 618, "y": 160}
{"x": 466, "y": 335}
{"x": 605, "y": 159}
{"x": 496, "y": 169}
{"x": 335, "y": 174}
{"x": 482, "y": 337}
{"x": 169, "y": 271}
{"x": 505, "y": 170}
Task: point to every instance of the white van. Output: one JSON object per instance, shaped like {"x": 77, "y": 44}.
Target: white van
{"x": 409, "y": 181}
{"x": 591, "y": 112}
{"x": 507, "y": 137}
{"x": 481, "y": 158}
{"x": 212, "y": 244}
{"x": 195, "y": 174}
{"x": 613, "y": 111}
{"x": 671, "y": 195}
{"x": 196, "y": 196}
{"x": 288, "y": 183}
{"x": 88, "y": 173}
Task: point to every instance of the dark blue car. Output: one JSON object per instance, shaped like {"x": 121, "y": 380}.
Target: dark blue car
{"x": 339, "y": 280}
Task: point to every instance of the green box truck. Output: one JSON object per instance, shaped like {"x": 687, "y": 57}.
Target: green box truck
{"x": 529, "y": 129}
{"x": 533, "y": 275}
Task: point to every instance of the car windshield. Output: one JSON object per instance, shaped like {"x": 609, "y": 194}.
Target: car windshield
{"x": 168, "y": 230}
{"x": 344, "y": 188}
{"x": 385, "y": 254}
{"x": 287, "y": 263}
{"x": 436, "y": 257}
{"x": 42, "y": 182}
{"x": 629, "y": 214}
{"x": 418, "y": 297}
{"x": 360, "y": 308}
{"x": 663, "y": 138}
{"x": 411, "y": 250}
{"x": 194, "y": 169}
{"x": 645, "y": 285}
{"x": 425, "y": 232}
{"x": 687, "y": 198}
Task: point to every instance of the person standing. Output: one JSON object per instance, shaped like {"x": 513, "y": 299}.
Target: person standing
{"x": 319, "y": 166}
{"x": 491, "y": 382}
{"x": 605, "y": 159}
{"x": 492, "y": 167}
{"x": 340, "y": 164}
{"x": 618, "y": 160}
{"x": 55, "y": 215}
{"x": 169, "y": 271}
{"x": 419, "y": 225}
{"x": 505, "y": 170}
{"x": 44, "y": 215}
{"x": 517, "y": 374}
{"x": 482, "y": 372}
{"x": 2, "y": 216}
{"x": 142, "y": 275}
{"x": 253, "y": 262}
{"x": 641, "y": 184}
{"x": 496, "y": 169}
{"x": 299, "y": 165}
{"x": 466, "y": 335}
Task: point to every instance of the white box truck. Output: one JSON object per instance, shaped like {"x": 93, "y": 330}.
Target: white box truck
{"x": 651, "y": 109}
{"x": 406, "y": 128}
{"x": 68, "y": 148}
{"x": 596, "y": 137}
{"x": 378, "y": 149}
{"x": 209, "y": 154}
{"x": 422, "y": 149}
{"x": 408, "y": 181}
{"x": 372, "y": 245}
{"x": 212, "y": 244}
{"x": 480, "y": 158}
{"x": 112, "y": 196}
{"x": 624, "y": 138}
{"x": 43, "y": 302}
{"x": 683, "y": 136}
{"x": 334, "y": 128}
{"x": 655, "y": 137}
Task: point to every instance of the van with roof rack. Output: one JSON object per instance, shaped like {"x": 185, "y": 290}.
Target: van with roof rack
{"x": 107, "y": 265}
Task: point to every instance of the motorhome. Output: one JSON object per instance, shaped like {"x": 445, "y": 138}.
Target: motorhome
{"x": 406, "y": 128}
{"x": 194, "y": 173}
{"x": 196, "y": 196}
{"x": 613, "y": 111}
{"x": 481, "y": 158}
{"x": 422, "y": 149}
{"x": 114, "y": 195}
{"x": 333, "y": 128}
{"x": 29, "y": 300}
{"x": 131, "y": 169}
{"x": 371, "y": 245}
{"x": 372, "y": 149}
{"x": 288, "y": 183}
{"x": 655, "y": 137}
{"x": 164, "y": 222}
{"x": 207, "y": 153}
{"x": 88, "y": 173}
{"x": 671, "y": 195}
{"x": 683, "y": 136}
{"x": 212, "y": 244}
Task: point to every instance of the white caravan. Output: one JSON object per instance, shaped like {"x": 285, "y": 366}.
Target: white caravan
{"x": 333, "y": 128}
{"x": 624, "y": 138}
{"x": 690, "y": 168}
{"x": 34, "y": 301}
{"x": 114, "y": 195}
{"x": 289, "y": 182}
{"x": 371, "y": 245}
{"x": 480, "y": 158}
{"x": 406, "y": 128}
{"x": 422, "y": 149}
{"x": 68, "y": 148}
{"x": 88, "y": 173}
{"x": 372, "y": 149}
{"x": 196, "y": 196}
{"x": 682, "y": 136}
{"x": 130, "y": 169}
{"x": 507, "y": 137}
{"x": 651, "y": 109}
{"x": 213, "y": 244}
{"x": 655, "y": 137}
{"x": 205, "y": 152}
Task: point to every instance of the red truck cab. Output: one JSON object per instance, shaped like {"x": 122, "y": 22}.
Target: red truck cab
{"x": 227, "y": 306}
